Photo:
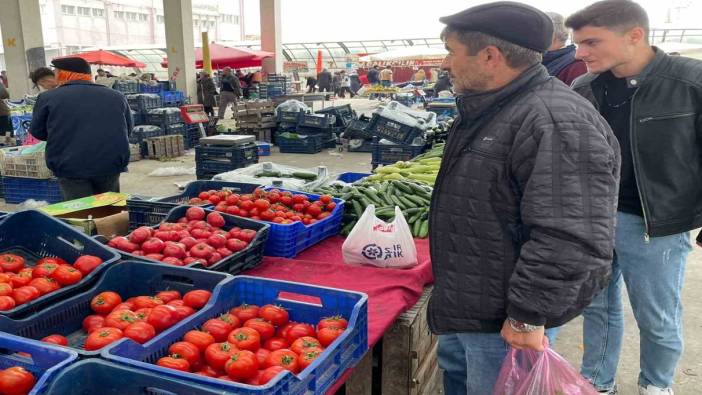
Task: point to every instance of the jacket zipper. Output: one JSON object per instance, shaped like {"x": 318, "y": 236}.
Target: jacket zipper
{"x": 489, "y": 155}
{"x": 634, "y": 158}
{"x": 672, "y": 116}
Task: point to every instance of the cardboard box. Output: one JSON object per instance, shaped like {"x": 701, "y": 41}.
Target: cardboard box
{"x": 105, "y": 214}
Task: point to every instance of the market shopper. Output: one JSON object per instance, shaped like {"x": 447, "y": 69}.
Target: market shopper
{"x": 43, "y": 79}
{"x": 5, "y": 121}
{"x": 85, "y": 126}
{"x": 652, "y": 101}
{"x": 229, "y": 91}
{"x": 3, "y": 78}
{"x": 523, "y": 212}
{"x": 374, "y": 75}
{"x": 560, "y": 58}
{"x": 206, "y": 92}
{"x": 324, "y": 81}
{"x": 345, "y": 85}
{"x": 385, "y": 77}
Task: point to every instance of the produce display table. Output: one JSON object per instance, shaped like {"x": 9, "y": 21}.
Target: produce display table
{"x": 390, "y": 291}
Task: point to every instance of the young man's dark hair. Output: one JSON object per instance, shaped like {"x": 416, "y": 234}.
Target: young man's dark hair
{"x": 618, "y": 15}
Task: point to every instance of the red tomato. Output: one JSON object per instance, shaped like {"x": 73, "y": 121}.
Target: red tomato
{"x": 299, "y": 330}
{"x": 197, "y": 299}
{"x": 44, "y": 269}
{"x": 208, "y": 372}
{"x": 93, "y": 322}
{"x": 314, "y": 210}
{"x": 87, "y": 263}
{"x": 270, "y": 373}
{"x": 331, "y": 206}
{"x": 276, "y": 315}
{"x": 299, "y": 198}
{"x": 323, "y": 215}
{"x": 183, "y": 311}
{"x": 162, "y": 317}
{"x": 263, "y": 327}
{"x": 105, "y": 302}
{"x": 102, "y": 337}
{"x": 285, "y": 358}
{"x": 16, "y": 380}
{"x": 245, "y": 312}
{"x": 185, "y": 350}
{"x": 120, "y": 319}
{"x": 199, "y": 338}
{"x": 327, "y": 335}
{"x": 6, "y": 289}
{"x": 242, "y": 365}
{"x": 283, "y": 330}
{"x": 262, "y": 204}
{"x": 262, "y": 355}
{"x": 245, "y": 339}
{"x": 247, "y": 235}
{"x": 56, "y": 339}
{"x": 66, "y": 275}
{"x": 6, "y": 303}
{"x": 11, "y": 263}
{"x": 140, "y": 332}
{"x": 141, "y": 302}
{"x": 5, "y": 278}
{"x": 25, "y": 294}
{"x": 218, "y": 328}
{"x": 217, "y": 354}
{"x": 44, "y": 285}
{"x": 308, "y": 356}
{"x": 336, "y": 321}
{"x": 304, "y": 342}
{"x": 177, "y": 302}
{"x": 169, "y": 296}
{"x": 141, "y": 314}
{"x": 174, "y": 363}
{"x": 124, "y": 306}
{"x": 326, "y": 199}
{"x": 275, "y": 343}
{"x": 21, "y": 279}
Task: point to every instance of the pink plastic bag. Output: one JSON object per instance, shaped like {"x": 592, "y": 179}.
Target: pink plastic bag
{"x": 529, "y": 372}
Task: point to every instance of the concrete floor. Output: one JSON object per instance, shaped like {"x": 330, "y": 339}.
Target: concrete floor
{"x": 688, "y": 380}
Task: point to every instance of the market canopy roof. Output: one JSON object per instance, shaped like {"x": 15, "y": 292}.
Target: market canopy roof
{"x": 106, "y": 58}
{"x": 407, "y": 53}
{"x": 223, "y": 56}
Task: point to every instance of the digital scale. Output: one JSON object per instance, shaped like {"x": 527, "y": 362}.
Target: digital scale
{"x": 194, "y": 114}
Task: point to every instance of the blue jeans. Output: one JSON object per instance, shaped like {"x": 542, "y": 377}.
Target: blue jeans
{"x": 471, "y": 361}
{"x": 653, "y": 272}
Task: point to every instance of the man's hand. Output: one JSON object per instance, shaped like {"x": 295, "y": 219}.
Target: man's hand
{"x": 530, "y": 340}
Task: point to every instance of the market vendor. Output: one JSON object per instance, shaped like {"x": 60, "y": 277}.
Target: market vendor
{"x": 523, "y": 212}
{"x": 85, "y": 126}
{"x": 43, "y": 79}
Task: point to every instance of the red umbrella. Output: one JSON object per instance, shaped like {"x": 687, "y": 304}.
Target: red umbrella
{"x": 106, "y": 58}
{"x": 223, "y": 56}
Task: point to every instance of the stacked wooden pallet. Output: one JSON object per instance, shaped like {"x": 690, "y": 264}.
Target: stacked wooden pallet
{"x": 255, "y": 118}
{"x": 164, "y": 147}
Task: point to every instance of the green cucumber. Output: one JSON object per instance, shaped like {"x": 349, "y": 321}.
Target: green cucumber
{"x": 416, "y": 227}
{"x": 403, "y": 187}
{"x": 357, "y": 208}
{"x": 407, "y": 202}
{"x": 424, "y": 229}
{"x": 304, "y": 175}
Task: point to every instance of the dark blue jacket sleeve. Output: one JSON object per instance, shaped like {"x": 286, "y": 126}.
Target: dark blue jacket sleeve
{"x": 39, "y": 118}
{"x": 128, "y": 117}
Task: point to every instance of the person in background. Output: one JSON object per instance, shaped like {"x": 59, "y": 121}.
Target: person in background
{"x": 104, "y": 78}
{"x": 43, "y": 79}
{"x": 311, "y": 83}
{"x": 535, "y": 169}
{"x": 100, "y": 73}
{"x": 560, "y": 58}
{"x": 345, "y": 85}
{"x": 85, "y": 126}
{"x": 386, "y": 77}
{"x": 229, "y": 91}
{"x": 420, "y": 75}
{"x": 324, "y": 81}
{"x": 355, "y": 82}
{"x": 5, "y": 121}
{"x": 336, "y": 83}
{"x": 243, "y": 84}
{"x": 3, "y": 78}
{"x": 442, "y": 84}
{"x": 653, "y": 103}
{"x": 374, "y": 75}
{"x": 206, "y": 92}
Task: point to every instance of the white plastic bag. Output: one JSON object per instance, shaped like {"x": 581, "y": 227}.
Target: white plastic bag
{"x": 383, "y": 244}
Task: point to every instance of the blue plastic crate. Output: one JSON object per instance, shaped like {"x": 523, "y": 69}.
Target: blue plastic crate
{"x": 289, "y": 117}
{"x": 358, "y": 129}
{"x": 128, "y": 278}
{"x": 19, "y": 189}
{"x": 144, "y": 88}
{"x": 310, "y": 144}
{"x": 220, "y": 159}
{"x": 93, "y": 376}
{"x": 175, "y": 128}
{"x": 264, "y": 148}
{"x": 318, "y": 121}
{"x": 172, "y": 98}
{"x": 387, "y": 154}
{"x": 153, "y": 212}
{"x": 143, "y": 102}
{"x": 46, "y": 361}
{"x": 194, "y": 134}
{"x": 126, "y": 86}
{"x": 289, "y": 240}
{"x": 394, "y": 131}
{"x": 163, "y": 117}
{"x": 344, "y": 114}
{"x": 351, "y": 177}
{"x": 34, "y": 235}
{"x": 167, "y": 85}
{"x": 318, "y": 302}
{"x": 248, "y": 258}
{"x": 143, "y": 132}
{"x": 358, "y": 145}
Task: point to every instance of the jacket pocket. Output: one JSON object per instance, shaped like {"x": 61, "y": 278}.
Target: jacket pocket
{"x": 486, "y": 154}
{"x": 666, "y": 117}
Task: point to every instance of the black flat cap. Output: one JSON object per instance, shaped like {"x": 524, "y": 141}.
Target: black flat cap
{"x": 517, "y": 23}
{"x": 76, "y": 65}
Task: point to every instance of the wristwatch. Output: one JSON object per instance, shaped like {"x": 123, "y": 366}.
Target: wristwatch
{"x": 521, "y": 327}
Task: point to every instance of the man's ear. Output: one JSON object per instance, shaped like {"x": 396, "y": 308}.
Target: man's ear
{"x": 636, "y": 35}
{"x": 491, "y": 56}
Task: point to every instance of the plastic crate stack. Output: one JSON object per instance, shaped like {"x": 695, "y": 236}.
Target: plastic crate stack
{"x": 321, "y": 125}
{"x": 126, "y": 86}
{"x": 173, "y": 98}
{"x": 211, "y": 160}
{"x": 387, "y": 153}
{"x": 141, "y": 133}
{"x": 394, "y": 141}
{"x": 256, "y": 118}
{"x": 25, "y": 176}
{"x": 192, "y": 135}
{"x": 141, "y": 104}
{"x": 293, "y": 143}
{"x": 356, "y": 137}
{"x": 277, "y": 85}
{"x": 168, "y": 118}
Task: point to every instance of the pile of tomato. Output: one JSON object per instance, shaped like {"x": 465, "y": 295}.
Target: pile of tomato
{"x": 20, "y": 284}
{"x": 252, "y": 345}
{"x": 138, "y": 318}
{"x": 281, "y": 207}
{"x": 196, "y": 238}
{"x": 16, "y": 380}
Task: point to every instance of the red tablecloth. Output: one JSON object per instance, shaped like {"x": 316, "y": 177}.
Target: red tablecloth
{"x": 390, "y": 291}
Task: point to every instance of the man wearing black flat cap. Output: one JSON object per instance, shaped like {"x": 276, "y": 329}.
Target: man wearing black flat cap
{"x": 523, "y": 213}
{"x": 85, "y": 126}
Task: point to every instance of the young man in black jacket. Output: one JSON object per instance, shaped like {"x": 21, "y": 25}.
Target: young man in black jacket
{"x": 523, "y": 212}
{"x": 653, "y": 102}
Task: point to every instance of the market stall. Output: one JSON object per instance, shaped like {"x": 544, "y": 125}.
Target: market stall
{"x": 223, "y": 56}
